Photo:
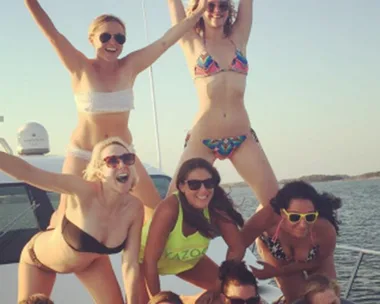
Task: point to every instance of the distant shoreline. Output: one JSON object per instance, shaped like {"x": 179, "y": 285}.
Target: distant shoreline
{"x": 315, "y": 178}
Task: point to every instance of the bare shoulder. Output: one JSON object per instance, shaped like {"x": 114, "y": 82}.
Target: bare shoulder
{"x": 325, "y": 231}
{"x": 168, "y": 207}
{"x": 134, "y": 205}
{"x": 323, "y": 226}
{"x": 87, "y": 193}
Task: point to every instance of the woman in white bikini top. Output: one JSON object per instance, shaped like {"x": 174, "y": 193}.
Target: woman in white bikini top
{"x": 103, "y": 89}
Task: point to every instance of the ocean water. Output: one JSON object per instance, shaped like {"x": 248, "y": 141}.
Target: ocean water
{"x": 360, "y": 227}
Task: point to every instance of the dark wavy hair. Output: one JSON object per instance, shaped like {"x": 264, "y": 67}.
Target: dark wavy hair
{"x": 221, "y": 205}
{"x": 165, "y": 296}
{"x": 325, "y": 203}
{"x": 235, "y": 272}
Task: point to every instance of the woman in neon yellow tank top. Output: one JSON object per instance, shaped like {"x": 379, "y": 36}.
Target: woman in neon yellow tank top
{"x": 177, "y": 238}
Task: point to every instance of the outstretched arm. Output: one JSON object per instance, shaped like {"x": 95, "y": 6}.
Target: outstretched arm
{"x": 130, "y": 257}
{"x": 70, "y": 56}
{"x": 143, "y": 58}
{"x": 232, "y": 236}
{"x": 22, "y": 170}
{"x": 243, "y": 24}
{"x": 176, "y": 10}
{"x": 163, "y": 221}
{"x": 262, "y": 220}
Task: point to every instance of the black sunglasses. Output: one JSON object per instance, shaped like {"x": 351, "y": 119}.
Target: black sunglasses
{"x": 113, "y": 161}
{"x": 252, "y": 300}
{"x": 119, "y": 38}
{"x": 195, "y": 184}
{"x": 223, "y": 6}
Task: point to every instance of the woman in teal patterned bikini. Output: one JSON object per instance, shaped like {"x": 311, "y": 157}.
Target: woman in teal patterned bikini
{"x": 215, "y": 51}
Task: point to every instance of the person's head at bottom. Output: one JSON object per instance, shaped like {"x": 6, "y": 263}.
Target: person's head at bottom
{"x": 37, "y": 298}
{"x": 166, "y": 297}
{"x": 238, "y": 284}
{"x": 321, "y": 290}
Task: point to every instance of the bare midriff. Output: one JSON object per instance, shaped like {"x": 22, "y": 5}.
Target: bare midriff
{"x": 95, "y": 127}
{"x": 65, "y": 259}
{"x": 222, "y": 112}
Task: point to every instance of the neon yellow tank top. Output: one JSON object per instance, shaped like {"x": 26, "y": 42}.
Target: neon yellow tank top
{"x": 180, "y": 253}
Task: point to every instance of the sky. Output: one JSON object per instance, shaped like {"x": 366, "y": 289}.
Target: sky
{"x": 313, "y": 93}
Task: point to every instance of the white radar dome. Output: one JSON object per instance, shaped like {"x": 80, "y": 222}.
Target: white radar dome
{"x": 32, "y": 139}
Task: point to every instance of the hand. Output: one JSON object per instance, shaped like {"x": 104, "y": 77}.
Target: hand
{"x": 201, "y": 7}
{"x": 268, "y": 271}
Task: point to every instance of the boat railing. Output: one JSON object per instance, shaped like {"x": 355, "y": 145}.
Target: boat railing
{"x": 361, "y": 252}
{"x": 4, "y": 144}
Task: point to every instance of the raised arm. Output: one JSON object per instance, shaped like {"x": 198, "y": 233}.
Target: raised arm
{"x": 176, "y": 10}
{"x": 61, "y": 183}
{"x": 243, "y": 24}
{"x": 72, "y": 59}
{"x": 141, "y": 59}
{"x": 232, "y": 236}
{"x": 130, "y": 258}
{"x": 163, "y": 222}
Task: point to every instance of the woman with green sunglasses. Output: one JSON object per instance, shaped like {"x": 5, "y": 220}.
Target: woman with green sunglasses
{"x": 296, "y": 236}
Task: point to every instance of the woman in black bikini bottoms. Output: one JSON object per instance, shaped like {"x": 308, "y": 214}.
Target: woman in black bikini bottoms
{"x": 101, "y": 218}
{"x": 302, "y": 240}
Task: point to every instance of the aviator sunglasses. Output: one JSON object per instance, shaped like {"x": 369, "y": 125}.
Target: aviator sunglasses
{"x": 223, "y": 6}
{"x": 252, "y": 300}
{"x": 294, "y": 217}
{"x": 195, "y": 184}
{"x": 113, "y": 161}
{"x": 119, "y": 38}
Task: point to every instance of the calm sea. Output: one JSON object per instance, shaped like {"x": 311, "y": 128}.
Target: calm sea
{"x": 360, "y": 227}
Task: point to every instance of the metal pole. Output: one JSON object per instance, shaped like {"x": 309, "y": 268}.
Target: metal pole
{"x": 3, "y": 142}
{"x": 152, "y": 91}
{"x": 353, "y": 275}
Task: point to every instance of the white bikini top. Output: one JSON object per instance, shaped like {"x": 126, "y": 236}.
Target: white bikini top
{"x": 105, "y": 102}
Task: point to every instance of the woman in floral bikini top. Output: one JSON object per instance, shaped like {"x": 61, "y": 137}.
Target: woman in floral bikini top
{"x": 296, "y": 236}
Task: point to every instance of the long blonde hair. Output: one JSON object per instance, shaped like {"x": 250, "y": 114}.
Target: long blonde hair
{"x": 319, "y": 283}
{"x": 98, "y": 21}
{"x": 93, "y": 172}
{"x": 200, "y": 25}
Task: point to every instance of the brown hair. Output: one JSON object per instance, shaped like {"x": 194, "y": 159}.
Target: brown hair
{"x": 200, "y": 25}
{"x": 319, "y": 283}
{"x": 166, "y": 296}
{"x": 98, "y": 21}
{"x": 37, "y": 298}
{"x": 233, "y": 272}
{"x": 221, "y": 205}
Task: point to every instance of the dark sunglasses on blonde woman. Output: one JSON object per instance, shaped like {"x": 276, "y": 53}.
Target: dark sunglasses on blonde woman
{"x": 119, "y": 38}
{"x": 113, "y": 161}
